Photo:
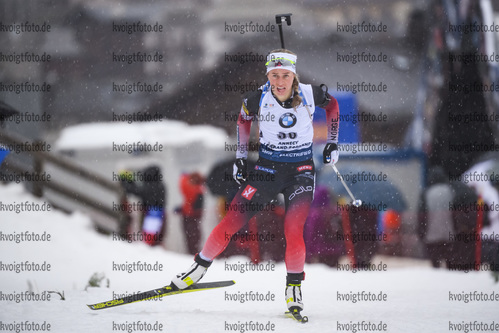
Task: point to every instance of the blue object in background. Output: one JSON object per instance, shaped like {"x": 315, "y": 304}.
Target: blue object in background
{"x": 3, "y": 154}
{"x": 380, "y": 225}
{"x": 349, "y": 129}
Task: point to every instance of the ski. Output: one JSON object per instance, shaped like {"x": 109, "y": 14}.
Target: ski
{"x": 296, "y": 315}
{"x": 159, "y": 292}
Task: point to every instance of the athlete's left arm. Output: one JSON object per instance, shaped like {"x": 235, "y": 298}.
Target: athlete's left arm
{"x": 324, "y": 100}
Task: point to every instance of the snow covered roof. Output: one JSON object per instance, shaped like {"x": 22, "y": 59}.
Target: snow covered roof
{"x": 167, "y": 132}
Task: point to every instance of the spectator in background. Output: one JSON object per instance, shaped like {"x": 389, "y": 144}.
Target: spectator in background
{"x": 322, "y": 225}
{"x": 435, "y": 218}
{"x": 490, "y": 246}
{"x": 192, "y": 189}
{"x": 152, "y": 193}
{"x": 360, "y": 221}
{"x": 465, "y": 225}
{"x": 389, "y": 223}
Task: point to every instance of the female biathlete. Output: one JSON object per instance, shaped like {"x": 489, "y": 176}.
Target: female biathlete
{"x": 285, "y": 109}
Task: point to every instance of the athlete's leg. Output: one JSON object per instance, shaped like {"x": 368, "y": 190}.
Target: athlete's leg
{"x": 250, "y": 198}
{"x": 298, "y": 199}
{"x": 242, "y": 208}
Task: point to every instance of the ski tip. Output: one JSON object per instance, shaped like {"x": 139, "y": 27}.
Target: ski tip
{"x": 221, "y": 283}
{"x": 215, "y": 284}
{"x": 228, "y": 282}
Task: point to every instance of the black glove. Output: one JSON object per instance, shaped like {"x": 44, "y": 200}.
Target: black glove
{"x": 240, "y": 170}
{"x": 330, "y": 154}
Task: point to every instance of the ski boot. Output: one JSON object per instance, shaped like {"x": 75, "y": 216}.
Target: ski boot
{"x": 294, "y": 297}
{"x": 193, "y": 274}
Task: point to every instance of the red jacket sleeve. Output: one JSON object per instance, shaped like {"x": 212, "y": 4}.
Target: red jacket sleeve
{"x": 243, "y": 135}
{"x": 333, "y": 120}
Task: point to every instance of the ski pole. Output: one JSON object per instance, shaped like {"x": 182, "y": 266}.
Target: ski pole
{"x": 355, "y": 202}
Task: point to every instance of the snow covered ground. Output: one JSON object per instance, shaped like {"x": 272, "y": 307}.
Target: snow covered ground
{"x": 415, "y": 298}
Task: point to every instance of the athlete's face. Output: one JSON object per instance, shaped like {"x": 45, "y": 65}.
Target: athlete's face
{"x": 281, "y": 81}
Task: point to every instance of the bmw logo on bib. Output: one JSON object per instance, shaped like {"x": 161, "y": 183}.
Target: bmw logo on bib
{"x": 287, "y": 120}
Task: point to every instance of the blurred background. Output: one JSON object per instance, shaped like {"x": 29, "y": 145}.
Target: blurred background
{"x": 436, "y": 112}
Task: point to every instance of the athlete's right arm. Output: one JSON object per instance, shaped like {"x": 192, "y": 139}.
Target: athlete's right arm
{"x": 240, "y": 172}
{"x": 243, "y": 134}
{"x": 248, "y": 111}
